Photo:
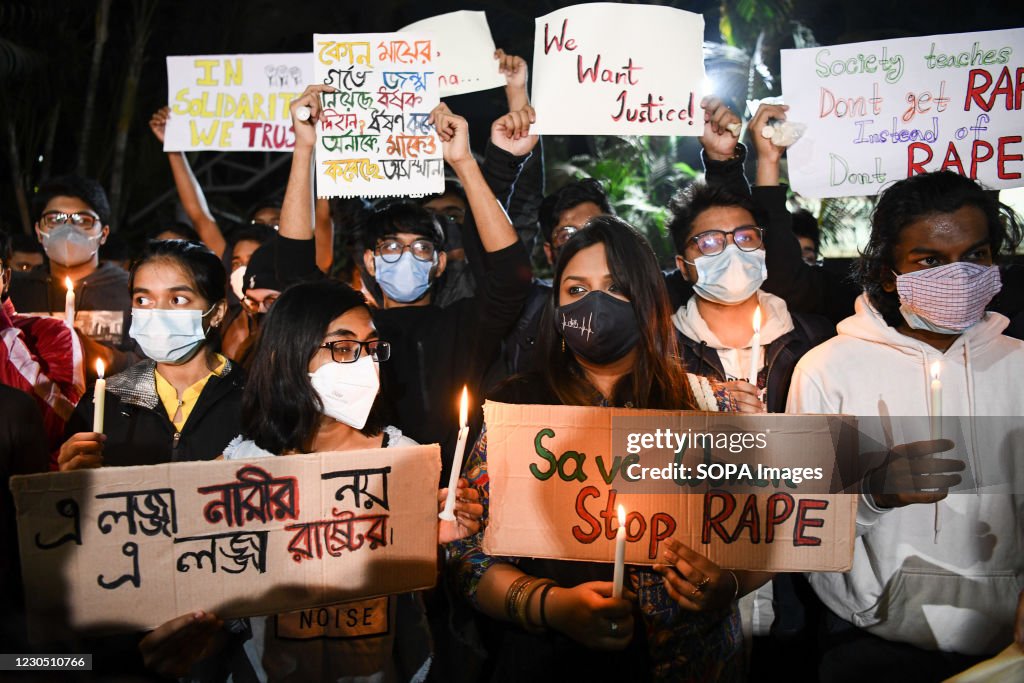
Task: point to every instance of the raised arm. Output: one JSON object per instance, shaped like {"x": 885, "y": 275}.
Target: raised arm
{"x": 190, "y": 193}
{"x": 297, "y": 208}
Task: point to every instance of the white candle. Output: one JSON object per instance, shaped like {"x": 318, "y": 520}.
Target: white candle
{"x": 734, "y": 128}
{"x": 303, "y": 113}
{"x": 620, "y": 555}
{"x": 99, "y": 398}
{"x": 448, "y": 513}
{"x": 755, "y": 348}
{"x": 69, "y": 303}
{"x": 936, "y": 401}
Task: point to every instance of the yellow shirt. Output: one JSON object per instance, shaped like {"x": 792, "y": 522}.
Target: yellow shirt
{"x": 169, "y": 395}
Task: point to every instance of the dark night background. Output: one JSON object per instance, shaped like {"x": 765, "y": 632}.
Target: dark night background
{"x": 47, "y": 47}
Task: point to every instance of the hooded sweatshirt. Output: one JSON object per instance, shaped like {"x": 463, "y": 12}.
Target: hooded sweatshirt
{"x": 950, "y": 586}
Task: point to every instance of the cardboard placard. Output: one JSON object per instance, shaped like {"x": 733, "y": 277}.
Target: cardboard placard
{"x": 463, "y": 51}
{"x": 881, "y": 111}
{"x": 128, "y": 548}
{"x": 234, "y": 103}
{"x": 558, "y": 473}
{"x": 373, "y": 139}
{"x": 618, "y": 69}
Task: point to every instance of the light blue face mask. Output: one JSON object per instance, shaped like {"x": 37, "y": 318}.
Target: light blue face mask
{"x": 407, "y": 279}
{"x": 731, "y": 277}
{"x": 168, "y": 336}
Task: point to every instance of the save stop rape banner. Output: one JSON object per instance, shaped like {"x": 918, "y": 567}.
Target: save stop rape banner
{"x": 748, "y": 492}
{"x": 128, "y": 548}
{"x": 882, "y": 111}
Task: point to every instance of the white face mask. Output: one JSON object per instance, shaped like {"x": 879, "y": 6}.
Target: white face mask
{"x": 237, "y": 280}
{"x": 347, "y": 390}
{"x": 168, "y": 336}
{"x": 69, "y": 246}
{"x": 731, "y": 277}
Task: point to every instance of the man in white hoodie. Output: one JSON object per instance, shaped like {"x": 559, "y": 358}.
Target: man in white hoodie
{"x": 937, "y": 586}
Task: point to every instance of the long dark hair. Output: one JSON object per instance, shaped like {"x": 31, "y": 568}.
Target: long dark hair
{"x": 280, "y": 409}
{"x": 658, "y": 379}
{"x": 916, "y": 197}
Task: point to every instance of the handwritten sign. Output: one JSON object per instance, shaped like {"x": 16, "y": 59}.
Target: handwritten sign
{"x": 557, "y": 475}
{"x": 882, "y": 111}
{"x": 611, "y": 69}
{"x": 127, "y": 548}
{"x": 463, "y": 52}
{"x": 234, "y": 102}
{"x": 373, "y": 139}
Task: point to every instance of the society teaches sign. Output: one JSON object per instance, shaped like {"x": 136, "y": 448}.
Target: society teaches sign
{"x": 128, "y": 548}
{"x": 881, "y": 111}
{"x": 749, "y": 492}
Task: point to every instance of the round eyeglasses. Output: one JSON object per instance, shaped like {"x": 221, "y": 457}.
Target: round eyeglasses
{"x": 349, "y": 350}
{"x": 392, "y": 250}
{"x": 713, "y": 242}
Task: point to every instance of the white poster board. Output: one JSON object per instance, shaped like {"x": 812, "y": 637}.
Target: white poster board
{"x": 373, "y": 139}
{"x": 610, "y": 69}
{"x": 882, "y": 111}
{"x": 463, "y": 51}
{"x": 234, "y": 102}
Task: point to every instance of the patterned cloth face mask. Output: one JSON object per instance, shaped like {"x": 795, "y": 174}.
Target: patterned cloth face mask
{"x": 947, "y": 299}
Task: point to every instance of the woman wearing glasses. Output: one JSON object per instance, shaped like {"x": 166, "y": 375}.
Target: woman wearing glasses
{"x": 315, "y": 387}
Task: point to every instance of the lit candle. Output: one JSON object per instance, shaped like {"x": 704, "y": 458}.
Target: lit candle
{"x": 936, "y": 401}
{"x": 69, "y": 303}
{"x": 620, "y": 555}
{"x": 448, "y": 513}
{"x": 755, "y": 348}
{"x": 99, "y": 398}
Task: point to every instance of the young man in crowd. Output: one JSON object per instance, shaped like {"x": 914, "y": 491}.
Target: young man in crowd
{"x": 936, "y": 578}
{"x": 26, "y": 254}
{"x": 37, "y": 356}
{"x": 72, "y": 221}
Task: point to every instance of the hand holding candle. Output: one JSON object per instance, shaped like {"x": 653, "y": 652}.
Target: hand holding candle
{"x": 755, "y": 348}
{"x": 448, "y": 513}
{"x": 99, "y": 398}
{"x": 620, "y": 555}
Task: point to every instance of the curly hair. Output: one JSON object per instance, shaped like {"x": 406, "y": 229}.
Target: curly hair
{"x": 917, "y": 197}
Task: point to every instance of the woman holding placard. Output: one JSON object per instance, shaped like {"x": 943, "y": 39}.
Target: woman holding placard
{"x": 183, "y": 401}
{"x": 675, "y": 622}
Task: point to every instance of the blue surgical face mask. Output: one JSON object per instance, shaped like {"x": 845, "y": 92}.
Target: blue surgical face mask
{"x": 407, "y": 279}
{"x": 168, "y": 336}
{"x": 730, "y": 277}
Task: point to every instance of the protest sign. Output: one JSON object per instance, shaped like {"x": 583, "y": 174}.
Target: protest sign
{"x": 557, "y": 475}
{"x": 127, "y": 548}
{"x": 373, "y": 139}
{"x": 463, "y": 52}
{"x": 234, "y": 102}
{"x": 105, "y": 327}
{"x": 885, "y": 110}
{"x": 611, "y": 69}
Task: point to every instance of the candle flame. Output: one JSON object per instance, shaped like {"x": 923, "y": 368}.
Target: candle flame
{"x": 464, "y": 406}
{"x": 622, "y": 516}
{"x": 68, "y": 283}
{"x": 757, "y": 319}
{"x": 936, "y": 370}
{"x": 100, "y": 368}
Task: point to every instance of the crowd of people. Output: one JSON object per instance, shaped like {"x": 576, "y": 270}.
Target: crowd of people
{"x": 251, "y": 343}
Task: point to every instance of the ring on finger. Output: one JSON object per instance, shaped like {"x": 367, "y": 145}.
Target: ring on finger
{"x": 614, "y": 627}
{"x": 703, "y": 584}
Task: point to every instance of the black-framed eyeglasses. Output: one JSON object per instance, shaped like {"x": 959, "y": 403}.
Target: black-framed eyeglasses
{"x": 392, "y": 250}
{"x": 349, "y": 350}
{"x": 80, "y": 219}
{"x": 713, "y": 242}
{"x": 563, "y": 234}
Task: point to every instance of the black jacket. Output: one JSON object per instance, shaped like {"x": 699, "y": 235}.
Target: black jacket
{"x": 139, "y": 431}
{"x": 781, "y": 357}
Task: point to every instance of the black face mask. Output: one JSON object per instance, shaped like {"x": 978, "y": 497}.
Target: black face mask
{"x": 599, "y": 328}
